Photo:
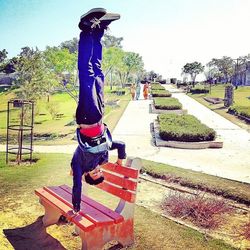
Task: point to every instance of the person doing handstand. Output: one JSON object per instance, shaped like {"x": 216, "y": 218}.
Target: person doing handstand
{"x": 94, "y": 138}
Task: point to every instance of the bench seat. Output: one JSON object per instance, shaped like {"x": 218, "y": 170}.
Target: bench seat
{"x": 96, "y": 223}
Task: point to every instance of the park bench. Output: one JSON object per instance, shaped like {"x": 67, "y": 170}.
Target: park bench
{"x": 96, "y": 223}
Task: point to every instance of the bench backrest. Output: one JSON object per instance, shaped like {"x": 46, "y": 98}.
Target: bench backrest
{"x": 120, "y": 181}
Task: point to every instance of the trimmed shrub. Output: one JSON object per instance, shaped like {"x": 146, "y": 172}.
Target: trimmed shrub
{"x": 240, "y": 110}
{"x": 184, "y": 127}
{"x": 199, "y": 91}
{"x": 156, "y": 86}
{"x": 167, "y": 103}
{"x": 160, "y": 93}
{"x": 118, "y": 92}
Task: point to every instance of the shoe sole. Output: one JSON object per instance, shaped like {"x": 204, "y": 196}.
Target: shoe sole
{"x": 110, "y": 17}
{"x": 96, "y": 12}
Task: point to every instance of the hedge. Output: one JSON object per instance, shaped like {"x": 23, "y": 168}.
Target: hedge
{"x": 199, "y": 91}
{"x": 156, "y": 86}
{"x": 167, "y": 103}
{"x": 160, "y": 93}
{"x": 240, "y": 110}
{"x": 184, "y": 128}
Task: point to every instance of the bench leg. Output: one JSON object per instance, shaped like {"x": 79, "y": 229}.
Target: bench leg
{"x": 99, "y": 236}
{"x": 125, "y": 234}
{"x": 92, "y": 240}
{"x": 51, "y": 215}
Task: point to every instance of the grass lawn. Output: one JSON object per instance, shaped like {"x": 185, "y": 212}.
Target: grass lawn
{"x": 60, "y": 130}
{"x": 240, "y": 99}
{"x": 20, "y": 208}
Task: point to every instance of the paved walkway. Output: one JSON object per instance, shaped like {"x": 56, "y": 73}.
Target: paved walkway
{"x": 232, "y": 161}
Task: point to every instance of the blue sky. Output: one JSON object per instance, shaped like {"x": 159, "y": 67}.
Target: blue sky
{"x": 166, "y": 33}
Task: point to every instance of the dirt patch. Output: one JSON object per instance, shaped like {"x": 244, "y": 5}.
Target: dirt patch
{"x": 151, "y": 195}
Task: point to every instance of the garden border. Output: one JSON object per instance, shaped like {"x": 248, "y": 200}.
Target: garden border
{"x": 180, "y": 144}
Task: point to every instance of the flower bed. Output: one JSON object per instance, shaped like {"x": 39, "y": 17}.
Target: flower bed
{"x": 184, "y": 127}
{"x": 167, "y": 103}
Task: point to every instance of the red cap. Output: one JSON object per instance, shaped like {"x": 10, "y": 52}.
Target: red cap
{"x": 93, "y": 131}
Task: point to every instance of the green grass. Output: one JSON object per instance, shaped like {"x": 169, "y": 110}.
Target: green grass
{"x": 62, "y": 128}
{"x": 240, "y": 99}
{"x": 224, "y": 187}
{"x": 21, "y": 208}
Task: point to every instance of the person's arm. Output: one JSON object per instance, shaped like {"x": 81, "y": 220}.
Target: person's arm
{"x": 77, "y": 184}
{"x": 121, "y": 150}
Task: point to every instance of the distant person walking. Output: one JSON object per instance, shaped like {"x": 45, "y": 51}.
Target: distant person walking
{"x": 138, "y": 90}
{"x": 132, "y": 91}
{"x": 145, "y": 90}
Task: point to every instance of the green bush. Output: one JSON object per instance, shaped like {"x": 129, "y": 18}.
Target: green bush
{"x": 184, "y": 128}
{"x": 156, "y": 86}
{"x": 167, "y": 103}
{"x": 199, "y": 91}
{"x": 240, "y": 110}
{"x": 160, "y": 93}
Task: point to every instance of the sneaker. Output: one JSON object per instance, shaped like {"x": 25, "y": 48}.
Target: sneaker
{"x": 91, "y": 18}
{"x": 108, "y": 18}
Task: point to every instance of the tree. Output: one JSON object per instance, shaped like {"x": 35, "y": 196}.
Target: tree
{"x": 152, "y": 75}
{"x": 111, "y": 58}
{"x": 130, "y": 63}
{"x": 225, "y": 66}
{"x": 62, "y": 67}
{"x": 31, "y": 81}
{"x": 71, "y": 45}
{"x": 193, "y": 69}
{"x": 212, "y": 73}
{"x": 112, "y": 41}
{"x": 3, "y": 57}
{"x": 31, "y": 74}
{"x": 10, "y": 66}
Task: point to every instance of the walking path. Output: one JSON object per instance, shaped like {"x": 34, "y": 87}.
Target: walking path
{"x": 232, "y": 161}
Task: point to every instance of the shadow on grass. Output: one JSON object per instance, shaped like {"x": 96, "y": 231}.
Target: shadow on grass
{"x": 33, "y": 236}
{"x": 220, "y": 108}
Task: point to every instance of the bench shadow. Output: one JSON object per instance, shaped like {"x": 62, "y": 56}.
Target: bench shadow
{"x": 33, "y": 236}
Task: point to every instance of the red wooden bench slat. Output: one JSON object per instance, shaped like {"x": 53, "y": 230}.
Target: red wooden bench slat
{"x": 87, "y": 211}
{"x": 115, "y": 216}
{"x": 126, "y": 171}
{"x": 120, "y": 181}
{"x": 79, "y": 220}
{"x": 117, "y": 191}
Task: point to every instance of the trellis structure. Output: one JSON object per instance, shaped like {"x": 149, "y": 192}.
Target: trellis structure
{"x": 20, "y": 122}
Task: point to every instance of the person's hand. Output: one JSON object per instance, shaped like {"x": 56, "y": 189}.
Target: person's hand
{"x": 119, "y": 162}
{"x": 76, "y": 209}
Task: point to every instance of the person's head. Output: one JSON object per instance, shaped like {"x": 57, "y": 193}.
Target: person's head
{"x": 95, "y": 176}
